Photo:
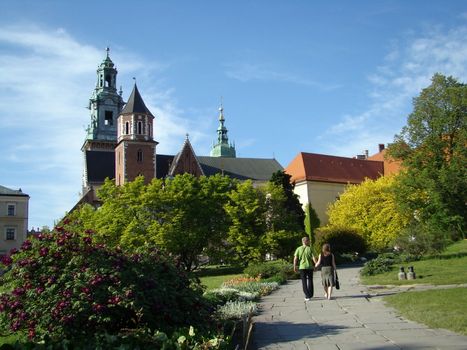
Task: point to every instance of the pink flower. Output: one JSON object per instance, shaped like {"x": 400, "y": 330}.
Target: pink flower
{"x": 6, "y": 260}
{"x": 43, "y": 251}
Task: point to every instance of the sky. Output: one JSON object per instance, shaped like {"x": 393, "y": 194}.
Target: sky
{"x": 329, "y": 77}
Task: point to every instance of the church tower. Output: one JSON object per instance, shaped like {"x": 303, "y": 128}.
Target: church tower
{"x": 222, "y": 148}
{"x": 105, "y": 105}
{"x": 135, "y": 153}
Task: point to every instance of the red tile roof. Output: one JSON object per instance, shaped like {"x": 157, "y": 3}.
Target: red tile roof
{"x": 320, "y": 167}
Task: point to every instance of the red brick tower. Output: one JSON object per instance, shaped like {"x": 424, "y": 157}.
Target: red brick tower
{"x": 135, "y": 153}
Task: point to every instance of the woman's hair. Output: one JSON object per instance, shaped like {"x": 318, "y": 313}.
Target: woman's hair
{"x": 326, "y": 248}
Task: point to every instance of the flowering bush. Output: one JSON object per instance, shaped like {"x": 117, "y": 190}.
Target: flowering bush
{"x": 64, "y": 285}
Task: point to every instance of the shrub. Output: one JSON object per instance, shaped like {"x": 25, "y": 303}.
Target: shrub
{"x": 259, "y": 288}
{"x": 419, "y": 239}
{"x": 236, "y": 309}
{"x": 66, "y": 286}
{"x": 342, "y": 240}
{"x": 270, "y": 269}
{"x": 382, "y": 263}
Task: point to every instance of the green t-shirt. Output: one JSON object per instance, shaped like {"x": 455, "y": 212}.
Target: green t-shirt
{"x": 305, "y": 257}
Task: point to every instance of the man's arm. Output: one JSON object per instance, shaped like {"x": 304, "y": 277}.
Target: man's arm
{"x": 295, "y": 261}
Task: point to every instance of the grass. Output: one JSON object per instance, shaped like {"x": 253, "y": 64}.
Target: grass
{"x": 213, "y": 282}
{"x": 434, "y": 308}
{"x": 446, "y": 268}
{"x": 213, "y": 276}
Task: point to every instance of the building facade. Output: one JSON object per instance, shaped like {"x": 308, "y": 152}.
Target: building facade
{"x": 14, "y": 211}
{"x": 320, "y": 179}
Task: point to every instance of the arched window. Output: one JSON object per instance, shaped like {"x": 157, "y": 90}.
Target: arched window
{"x": 127, "y": 128}
{"x": 140, "y": 128}
{"x": 108, "y": 81}
{"x": 139, "y": 156}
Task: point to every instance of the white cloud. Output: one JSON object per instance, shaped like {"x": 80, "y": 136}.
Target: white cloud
{"x": 407, "y": 70}
{"x": 246, "y": 72}
{"x": 46, "y": 79}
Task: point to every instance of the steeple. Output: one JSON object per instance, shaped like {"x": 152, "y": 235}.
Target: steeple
{"x": 222, "y": 148}
{"x": 135, "y": 153}
{"x": 105, "y": 103}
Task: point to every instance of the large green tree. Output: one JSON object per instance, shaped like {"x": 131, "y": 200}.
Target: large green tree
{"x": 184, "y": 216}
{"x": 246, "y": 210}
{"x": 292, "y": 204}
{"x": 433, "y": 150}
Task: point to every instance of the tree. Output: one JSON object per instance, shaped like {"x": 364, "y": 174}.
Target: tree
{"x": 312, "y": 221}
{"x": 292, "y": 204}
{"x": 432, "y": 148}
{"x": 247, "y": 213}
{"x": 184, "y": 216}
{"x": 283, "y": 232}
{"x": 370, "y": 209}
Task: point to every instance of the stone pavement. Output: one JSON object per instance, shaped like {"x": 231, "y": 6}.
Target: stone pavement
{"x": 353, "y": 319}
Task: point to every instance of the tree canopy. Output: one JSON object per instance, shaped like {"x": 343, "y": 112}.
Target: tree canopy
{"x": 370, "y": 208}
{"x": 433, "y": 150}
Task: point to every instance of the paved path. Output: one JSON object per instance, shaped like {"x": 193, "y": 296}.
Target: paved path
{"x": 354, "y": 319}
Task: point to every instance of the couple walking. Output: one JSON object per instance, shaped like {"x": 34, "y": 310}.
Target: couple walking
{"x": 307, "y": 263}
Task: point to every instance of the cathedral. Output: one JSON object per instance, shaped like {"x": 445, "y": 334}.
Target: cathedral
{"x": 121, "y": 144}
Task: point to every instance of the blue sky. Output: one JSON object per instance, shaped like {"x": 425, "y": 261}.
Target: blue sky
{"x": 332, "y": 77}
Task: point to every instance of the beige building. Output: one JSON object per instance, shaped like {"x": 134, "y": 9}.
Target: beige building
{"x": 320, "y": 179}
{"x": 13, "y": 218}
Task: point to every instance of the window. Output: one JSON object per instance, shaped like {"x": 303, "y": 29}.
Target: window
{"x": 149, "y": 129}
{"x": 108, "y": 81}
{"x": 140, "y": 128}
{"x": 139, "y": 156}
{"x": 10, "y": 234}
{"x": 127, "y": 128}
{"x": 11, "y": 210}
{"x": 109, "y": 118}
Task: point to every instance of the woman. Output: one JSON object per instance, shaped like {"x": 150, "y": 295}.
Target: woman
{"x": 328, "y": 269}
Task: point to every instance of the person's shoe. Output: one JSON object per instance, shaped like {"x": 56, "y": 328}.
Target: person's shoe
{"x": 307, "y": 299}
{"x": 326, "y": 295}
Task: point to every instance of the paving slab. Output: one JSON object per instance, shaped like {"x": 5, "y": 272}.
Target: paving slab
{"x": 355, "y": 318}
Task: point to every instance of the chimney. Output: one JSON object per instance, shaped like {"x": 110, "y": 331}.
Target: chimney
{"x": 381, "y": 147}
{"x": 366, "y": 154}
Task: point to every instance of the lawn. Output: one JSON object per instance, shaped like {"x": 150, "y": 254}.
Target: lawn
{"x": 447, "y": 268}
{"x": 213, "y": 276}
{"x": 434, "y": 308}
{"x": 213, "y": 282}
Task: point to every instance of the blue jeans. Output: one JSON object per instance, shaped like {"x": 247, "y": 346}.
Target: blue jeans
{"x": 307, "y": 282}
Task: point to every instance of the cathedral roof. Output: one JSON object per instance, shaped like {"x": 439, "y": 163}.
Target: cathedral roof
{"x": 135, "y": 104}
{"x": 100, "y": 165}
{"x": 240, "y": 168}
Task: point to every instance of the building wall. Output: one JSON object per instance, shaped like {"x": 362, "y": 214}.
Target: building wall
{"x": 320, "y": 195}
{"x": 128, "y": 166}
{"x": 19, "y": 221}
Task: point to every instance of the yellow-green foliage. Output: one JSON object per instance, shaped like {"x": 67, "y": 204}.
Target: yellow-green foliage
{"x": 370, "y": 209}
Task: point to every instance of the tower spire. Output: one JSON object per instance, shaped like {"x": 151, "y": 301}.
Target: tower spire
{"x": 222, "y": 147}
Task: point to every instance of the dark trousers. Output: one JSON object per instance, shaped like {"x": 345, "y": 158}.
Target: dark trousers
{"x": 307, "y": 282}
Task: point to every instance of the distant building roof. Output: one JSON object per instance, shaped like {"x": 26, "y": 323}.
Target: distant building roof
{"x": 135, "y": 104}
{"x": 240, "y": 168}
{"x": 5, "y": 191}
{"x": 100, "y": 165}
{"x": 325, "y": 168}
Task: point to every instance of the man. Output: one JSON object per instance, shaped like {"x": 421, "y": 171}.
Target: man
{"x": 306, "y": 261}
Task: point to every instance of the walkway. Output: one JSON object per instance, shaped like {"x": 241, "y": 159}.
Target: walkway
{"x": 354, "y": 319}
